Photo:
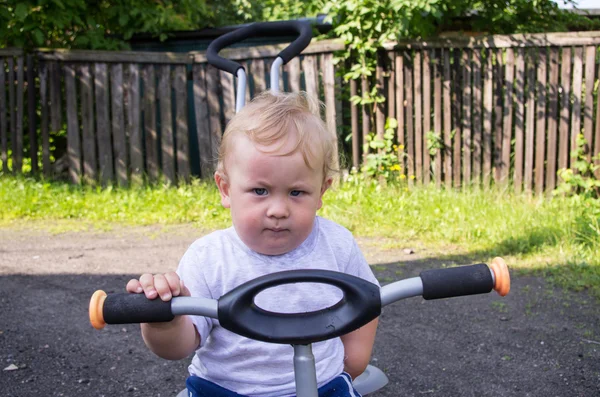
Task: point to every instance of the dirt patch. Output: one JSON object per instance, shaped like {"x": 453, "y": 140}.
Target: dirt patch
{"x": 538, "y": 341}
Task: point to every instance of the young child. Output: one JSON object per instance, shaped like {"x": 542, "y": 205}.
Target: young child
{"x": 275, "y": 164}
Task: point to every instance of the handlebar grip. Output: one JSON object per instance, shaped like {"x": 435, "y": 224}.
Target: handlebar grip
{"x": 457, "y": 281}
{"x": 302, "y": 28}
{"x": 127, "y": 308}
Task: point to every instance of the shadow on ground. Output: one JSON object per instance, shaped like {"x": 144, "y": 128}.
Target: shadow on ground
{"x": 538, "y": 341}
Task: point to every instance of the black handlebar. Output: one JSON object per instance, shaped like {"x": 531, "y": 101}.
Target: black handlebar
{"x": 361, "y": 303}
{"x": 302, "y": 28}
{"x": 457, "y": 281}
{"x": 124, "y": 308}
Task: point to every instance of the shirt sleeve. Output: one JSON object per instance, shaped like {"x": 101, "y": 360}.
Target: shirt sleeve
{"x": 358, "y": 266}
{"x": 190, "y": 271}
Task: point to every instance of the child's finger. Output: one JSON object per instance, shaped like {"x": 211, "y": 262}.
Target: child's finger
{"x": 173, "y": 281}
{"x": 147, "y": 282}
{"x": 162, "y": 287}
{"x": 184, "y": 290}
{"x": 134, "y": 286}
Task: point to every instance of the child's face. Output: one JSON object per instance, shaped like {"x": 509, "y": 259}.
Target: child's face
{"x": 273, "y": 199}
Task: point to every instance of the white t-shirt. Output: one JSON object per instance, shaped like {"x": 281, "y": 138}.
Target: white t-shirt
{"x": 217, "y": 263}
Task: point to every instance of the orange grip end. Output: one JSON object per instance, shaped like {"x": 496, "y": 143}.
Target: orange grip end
{"x": 96, "y": 306}
{"x": 501, "y": 276}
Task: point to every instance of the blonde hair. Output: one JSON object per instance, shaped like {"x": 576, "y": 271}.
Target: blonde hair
{"x": 273, "y": 118}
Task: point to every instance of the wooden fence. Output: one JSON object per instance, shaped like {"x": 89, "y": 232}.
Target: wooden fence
{"x": 501, "y": 109}
{"x": 135, "y": 116}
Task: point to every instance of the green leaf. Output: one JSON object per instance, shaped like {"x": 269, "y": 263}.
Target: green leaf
{"x": 38, "y": 37}
{"x": 123, "y": 19}
{"x": 21, "y": 11}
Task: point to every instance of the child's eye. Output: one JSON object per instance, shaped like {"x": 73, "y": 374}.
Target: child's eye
{"x": 295, "y": 193}
{"x": 259, "y": 191}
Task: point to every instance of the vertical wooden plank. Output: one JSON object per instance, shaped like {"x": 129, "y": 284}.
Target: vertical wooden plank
{"x": 118, "y": 123}
{"x": 293, "y": 69}
{"x": 408, "y": 95}
{"x": 248, "y": 65}
{"x": 133, "y": 124}
{"x": 73, "y": 140}
{"x": 597, "y": 134}
{"x": 227, "y": 85}
{"x": 391, "y": 86}
{"x": 437, "y": 113}
{"x": 476, "y": 140}
{"x": 379, "y": 107}
{"x": 90, "y": 163}
{"x": 150, "y": 132}
{"x": 399, "y": 60}
{"x": 509, "y": 75}
{"x": 105, "y": 155}
{"x": 258, "y": 76}
{"x": 3, "y": 120}
{"x": 447, "y": 119}
{"x": 338, "y": 97}
{"x": 498, "y": 93}
{"x": 55, "y": 98}
{"x": 18, "y": 142}
{"x": 11, "y": 104}
{"x": 466, "y": 116}
{"x": 519, "y": 120}
{"x": 418, "y": 103}
{"x": 488, "y": 100}
{"x": 552, "y": 121}
{"x": 354, "y": 127}
{"x": 31, "y": 115}
{"x": 456, "y": 118}
{"x": 588, "y": 126}
{"x": 426, "y": 116}
{"x": 577, "y": 83}
{"x": 540, "y": 136}
{"x": 330, "y": 103}
{"x": 565, "y": 107}
{"x": 202, "y": 119}
{"x": 329, "y": 91}
{"x": 530, "y": 119}
{"x": 366, "y": 119}
{"x": 181, "y": 123}
{"x": 44, "y": 117}
{"x": 212, "y": 81}
{"x": 311, "y": 77}
{"x": 166, "y": 123}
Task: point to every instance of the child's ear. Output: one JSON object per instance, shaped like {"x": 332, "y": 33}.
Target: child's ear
{"x": 326, "y": 185}
{"x": 223, "y": 186}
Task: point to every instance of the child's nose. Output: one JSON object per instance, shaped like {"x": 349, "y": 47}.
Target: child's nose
{"x": 278, "y": 209}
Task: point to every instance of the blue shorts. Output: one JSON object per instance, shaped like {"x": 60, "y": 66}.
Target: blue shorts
{"x": 338, "y": 387}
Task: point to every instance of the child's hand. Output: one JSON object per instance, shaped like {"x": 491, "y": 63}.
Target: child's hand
{"x": 164, "y": 285}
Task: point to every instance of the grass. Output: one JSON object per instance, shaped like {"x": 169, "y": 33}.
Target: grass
{"x": 560, "y": 238}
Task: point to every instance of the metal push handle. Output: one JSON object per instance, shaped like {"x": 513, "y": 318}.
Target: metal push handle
{"x": 302, "y": 28}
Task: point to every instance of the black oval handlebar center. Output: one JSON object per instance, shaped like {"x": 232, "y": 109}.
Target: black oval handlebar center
{"x": 361, "y": 303}
{"x": 282, "y": 28}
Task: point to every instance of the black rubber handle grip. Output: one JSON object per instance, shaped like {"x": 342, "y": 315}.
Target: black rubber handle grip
{"x": 361, "y": 304}
{"x": 302, "y": 28}
{"x": 457, "y": 281}
{"x": 135, "y": 308}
